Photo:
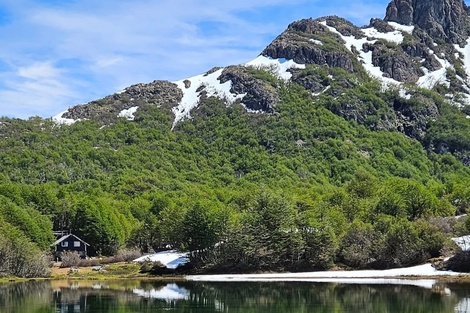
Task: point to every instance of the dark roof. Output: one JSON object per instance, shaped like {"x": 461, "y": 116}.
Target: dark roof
{"x": 65, "y": 237}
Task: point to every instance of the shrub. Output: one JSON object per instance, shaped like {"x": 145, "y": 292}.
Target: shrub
{"x": 128, "y": 255}
{"x": 69, "y": 259}
{"x": 88, "y": 262}
{"x": 357, "y": 245}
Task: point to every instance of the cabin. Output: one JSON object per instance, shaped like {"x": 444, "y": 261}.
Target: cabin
{"x": 70, "y": 242}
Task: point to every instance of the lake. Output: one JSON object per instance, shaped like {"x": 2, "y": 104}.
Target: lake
{"x": 201, "y": 297}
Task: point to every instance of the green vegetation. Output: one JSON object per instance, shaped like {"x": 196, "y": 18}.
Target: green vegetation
{"x": 299, "y": 189}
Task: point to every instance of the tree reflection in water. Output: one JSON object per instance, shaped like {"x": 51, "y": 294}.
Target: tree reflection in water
{"x": 274, "y": 297}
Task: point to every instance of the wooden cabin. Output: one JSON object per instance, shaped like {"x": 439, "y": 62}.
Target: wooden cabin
{"x": 70, "y": 242}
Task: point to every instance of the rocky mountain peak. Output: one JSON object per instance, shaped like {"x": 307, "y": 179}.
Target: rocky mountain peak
{"x": 447, "y": 20}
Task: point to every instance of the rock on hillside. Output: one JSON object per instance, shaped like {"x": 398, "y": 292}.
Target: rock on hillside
{"x": 447, "y": 20}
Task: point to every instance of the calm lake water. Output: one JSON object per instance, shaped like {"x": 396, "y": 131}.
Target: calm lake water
{"x": 272, "y": 297}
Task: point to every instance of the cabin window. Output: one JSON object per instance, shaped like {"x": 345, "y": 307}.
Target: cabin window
{"x": 76, "y": 243}
{"x": 64, "y": 244}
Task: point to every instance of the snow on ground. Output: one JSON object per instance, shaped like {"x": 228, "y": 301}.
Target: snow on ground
{"x": 60, "y": 120}
{"x": 466, "y": 56}
{"x": 396, "y": 36}
{"x": 430, "y": 79}
{"x": 213, "y": 87}
{"x": 279, "y": 67}
{"x": 393, "y": 276}
{"x": 406, "y": 28}
{"x": 171, "y": 259}
{"x": 167, "y": 293}
{"x": 463, "y": 242}
{"x": 129, "y": 113}
{"x": 317, "y": 42}
{"x": 365, "y": 57}
{"x": 404, "y": 94}
{"x": 316, "y": 94}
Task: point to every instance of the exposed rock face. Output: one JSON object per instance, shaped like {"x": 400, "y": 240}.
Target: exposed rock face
{"x": 302, "y": 42}
{"x": 441, "y": 19}
{"x": 260, "y": 95}
{"x": 159, "y": 92}
{"x": 396, "y": 64}
{"x": 413, "y": 115}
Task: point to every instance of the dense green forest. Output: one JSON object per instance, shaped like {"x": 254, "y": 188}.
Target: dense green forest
{"x": 302, "y": 188}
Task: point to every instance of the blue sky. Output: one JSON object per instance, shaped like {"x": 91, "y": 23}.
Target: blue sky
{"x": 56, "y": 54}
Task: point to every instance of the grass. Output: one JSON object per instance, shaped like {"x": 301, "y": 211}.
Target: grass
{"x": 114, "y": 271}
{"x": 111, "y": 271}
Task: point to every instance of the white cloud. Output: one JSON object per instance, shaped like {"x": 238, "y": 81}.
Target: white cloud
{"x": 34, "y": 89}
{"x": 39, "y": 71}
{"x": 70, "y": 52}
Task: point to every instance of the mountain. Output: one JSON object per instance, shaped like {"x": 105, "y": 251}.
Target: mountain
{"x": 338, "y": 144}
{"x": 419, "y": 44}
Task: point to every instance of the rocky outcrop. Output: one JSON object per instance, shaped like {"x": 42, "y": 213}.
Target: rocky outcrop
{"x": 259, "y": 94}
{"x": 159, "y": 92}
{"x": 303, "y": 42}
{"x": 447, "y": 20}
{"x": 413, "y": 115}
{"x": 395, "y": 63}
{"x": 162, "y": 93}
{"x": 312, "y": 83}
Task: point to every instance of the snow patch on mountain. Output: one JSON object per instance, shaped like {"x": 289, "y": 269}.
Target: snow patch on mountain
{"x": 395, "y": 37}
{"x": 61, "y": 120}
{"x": 317, "y": 42}
{"x": 465, "y": 51}
{"x": 278, "y": 67}
{"x": 430, "y": 79}
{"x": 405, "y": 28}
{"x": 210, "y": 83}
{"x": 364, "y": 57}
{"x": 191, "y": 93}
{"x": 129, "y": 113}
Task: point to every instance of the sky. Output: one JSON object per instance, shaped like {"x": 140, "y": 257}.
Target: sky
{"x": 56, "y": 54}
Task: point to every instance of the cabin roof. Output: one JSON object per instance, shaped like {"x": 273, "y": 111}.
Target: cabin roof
{"x": 65, "y": 237}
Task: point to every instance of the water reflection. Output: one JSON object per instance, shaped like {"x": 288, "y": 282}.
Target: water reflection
{"x": 169, "y": 292}
{"x": 144, "y": 296}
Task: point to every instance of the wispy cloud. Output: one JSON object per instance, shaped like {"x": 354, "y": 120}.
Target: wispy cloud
{"x": 60, "y": 53}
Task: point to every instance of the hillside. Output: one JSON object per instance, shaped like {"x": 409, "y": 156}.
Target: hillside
{"x": 337, "y": 145}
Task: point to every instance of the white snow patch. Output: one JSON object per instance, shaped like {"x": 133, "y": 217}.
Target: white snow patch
{"x": 61, "y": 120}
{"x": 406, "y": 28}
{"x": 430, "y": 79}
{"x": 463, "y": 242}
{"x": 129, "y": 113}
{"x": 317, "y": 42}
{"x": 213, "y": 87}
{"x": 396, "y": 36}
{"x": 323, "y": 91}
{"x": 279, "y": 67}
{"x": 168, "y": 293}
{"x": 404, "y": 94}
{"x": 366, "y": 58}
{"x": 466, "y": 56}
{"x": 171, "y": 259}
{"x": 361, "y": 276}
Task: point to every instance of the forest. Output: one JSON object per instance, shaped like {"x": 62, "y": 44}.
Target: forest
{"x": 302, "y": 188}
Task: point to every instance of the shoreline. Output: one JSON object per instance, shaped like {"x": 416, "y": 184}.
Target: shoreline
{"x": 415, "y": 273}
